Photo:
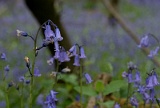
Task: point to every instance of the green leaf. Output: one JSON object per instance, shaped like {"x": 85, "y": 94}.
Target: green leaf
{"x": 99, "y": 86}
{"x": 108, "y": 104}
{"x": 86, "y": 90}
{"x": 114, "y": 86}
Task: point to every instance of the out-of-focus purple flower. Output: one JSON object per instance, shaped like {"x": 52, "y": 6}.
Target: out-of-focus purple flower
{"x": 130, "y": 78}
{"x": 36, "y": 72}
{"x": 117, "y": 105}
{"x": 134, "y": 101}
{"x": 51, "y": 99}
{"x": 124, "y": 74}
{"x": 88, "y": 78}
{"x": 49, "y": 34}
{"x": 137, "y": 77}
{"x": 152, "y": 80}
{"x": 21, "y": 79}
{"x": 76, "y": 60}
{"x": 3, "y": 56}
{"x": 27, "y": 81}
{"x": 57, "y": 55}
{"x": 152, "y": 94}
{"x": 141, "y": 89}
{"x": 21, "y": 33}
{"x": 50, "y": 61}
{"x": 58, "y": 35}
{"x": 6, "y": 68}
{"x": 153, "y": 52}
{"x": 82, "y": 54}
{"x": 73, "y": 50}
{"x": 144, "y": 42}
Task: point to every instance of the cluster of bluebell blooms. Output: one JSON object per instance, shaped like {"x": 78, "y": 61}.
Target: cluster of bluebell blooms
{"x": 147, "y": 90}
{"x": 53, "y": 36}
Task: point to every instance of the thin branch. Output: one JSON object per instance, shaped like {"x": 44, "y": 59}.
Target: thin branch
{"x": 122, "y": 23}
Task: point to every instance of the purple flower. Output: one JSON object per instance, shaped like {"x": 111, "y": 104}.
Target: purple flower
{"x": 73, "y": 50}
{"x": 82, "y": 54}
{"x": 153, "y": 52}
{"x": 124, "y": 74}
{"x": 51, "y": 99}
{"x": 21, "y": 79}
{"x": 134, "y": 101}
{"x": 152, "y": 80}
{"x": 63, "y": 55}
{"x": 117, "y": 105}
{"x": 6, "y": 68}
{"x": 57, "y": 55}
{"x": 49, "y": 34}
{"x": 58, "y": 35}
{"x": 21, "y": 33}
{"x": 76, "y": 60}
{"x": 36, "y": 72}
{"x": 130, "y": 78}
{"x": 88, "y": 78}
{"x": 27, "y": 81}
{"x": 144, "y": 42}
{"x": 152, "y": 94}
{"x": 3, "y": 56}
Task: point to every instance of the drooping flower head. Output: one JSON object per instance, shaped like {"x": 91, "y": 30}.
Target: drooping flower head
{"x": 88, "y": 78}
{"x": 21, "y": 33}
{"x": 117, "y": 105}
{"x": 76, "y": 60}
{"x": 134, "y": 101}
{"x": 82, "y": 53}
{"x": 144, "y": 42}
{"x": 153, "y": 52}
{"x": 49, "y": 34}
{"x": 3, "y": 56}
{"x": 58, "y": 35}
{"x": 36, "y": 72}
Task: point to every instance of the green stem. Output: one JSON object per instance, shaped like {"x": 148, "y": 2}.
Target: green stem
{"x": 7, "y": 100}
{"x": 57, "y": 68}
{"x": 129, "y": 86}
{"x": 21, "y": 96}
{"x": 81, "y": 90}
{"x": 32, "y": 71}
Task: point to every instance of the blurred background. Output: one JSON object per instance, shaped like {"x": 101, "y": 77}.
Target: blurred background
{"x": 86, "y": 22}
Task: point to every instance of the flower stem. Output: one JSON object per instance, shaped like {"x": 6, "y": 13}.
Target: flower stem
{"x": 7, "y": 100}
{"x": 81, "y": 90}
{"x": 129, "y": 86}
{"x": 21, "y": 97}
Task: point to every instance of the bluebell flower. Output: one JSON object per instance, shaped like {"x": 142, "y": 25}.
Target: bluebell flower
{"x": 124, "y": 74}
{"x": 21, "y": 33}
{"x": 49, "y": 34}
{"x": 76, "y": 60}
{"x": 36, "y": 72}
{"x": 152, "y": 80}
{"x": 82, "y": 54}
{"x": 152, "y": 94}
{"x": 88, "y": 78}
{"x": 58, "y": 35}
{"x": 144, "y": 42}
{"x": 57, "y": 55}
{"x": 137, "y": 77}
{"x": 27, "y": 81}
{"x": 153, "y": 52}
{"x": 117, "y": 105}
{"x": 134, "y": 101}
{"x": 3, "y": 56}
{"x": 63, "y": 55}
{"x": 51, "y": 99}
{"x": 130, "y": 78}
{"x": 6, "y": 68}
{"x": 21, "y": 79}
{"x": 73, "y": 50}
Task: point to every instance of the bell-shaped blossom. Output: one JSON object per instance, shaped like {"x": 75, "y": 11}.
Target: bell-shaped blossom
{"x": 6, "y": 68}
{"x": 76, "y": 60}
{"x": 36, "y": 72}
{"x": 144, "y": 42}
{"x": 58, "y": 35}
{"x": 21, "y": 33}
{"x": 73, "y": 50}
{"x": 152, "y": 94}
{"x": 88, "y": 78}
{"x": 130, "y": 78}
{"x": 63, "y": 56}
{"x": 49, "y": 34}
{"x": 153, "y": 52}
{"x": 117, "y": 105}
{"x": 152, "y": 80}
{"x": 82, "y": 53}
{"x": 134, "y": 101}
{"x": 3, "y": 56}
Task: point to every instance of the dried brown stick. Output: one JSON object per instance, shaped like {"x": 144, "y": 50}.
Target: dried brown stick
{"x": 122, "y": 23}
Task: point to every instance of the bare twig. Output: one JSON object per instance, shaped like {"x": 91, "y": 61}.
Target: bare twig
{"x": 122, "y": 23}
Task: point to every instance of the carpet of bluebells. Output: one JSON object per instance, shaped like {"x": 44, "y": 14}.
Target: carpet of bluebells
{"x": 109, "y": 71}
